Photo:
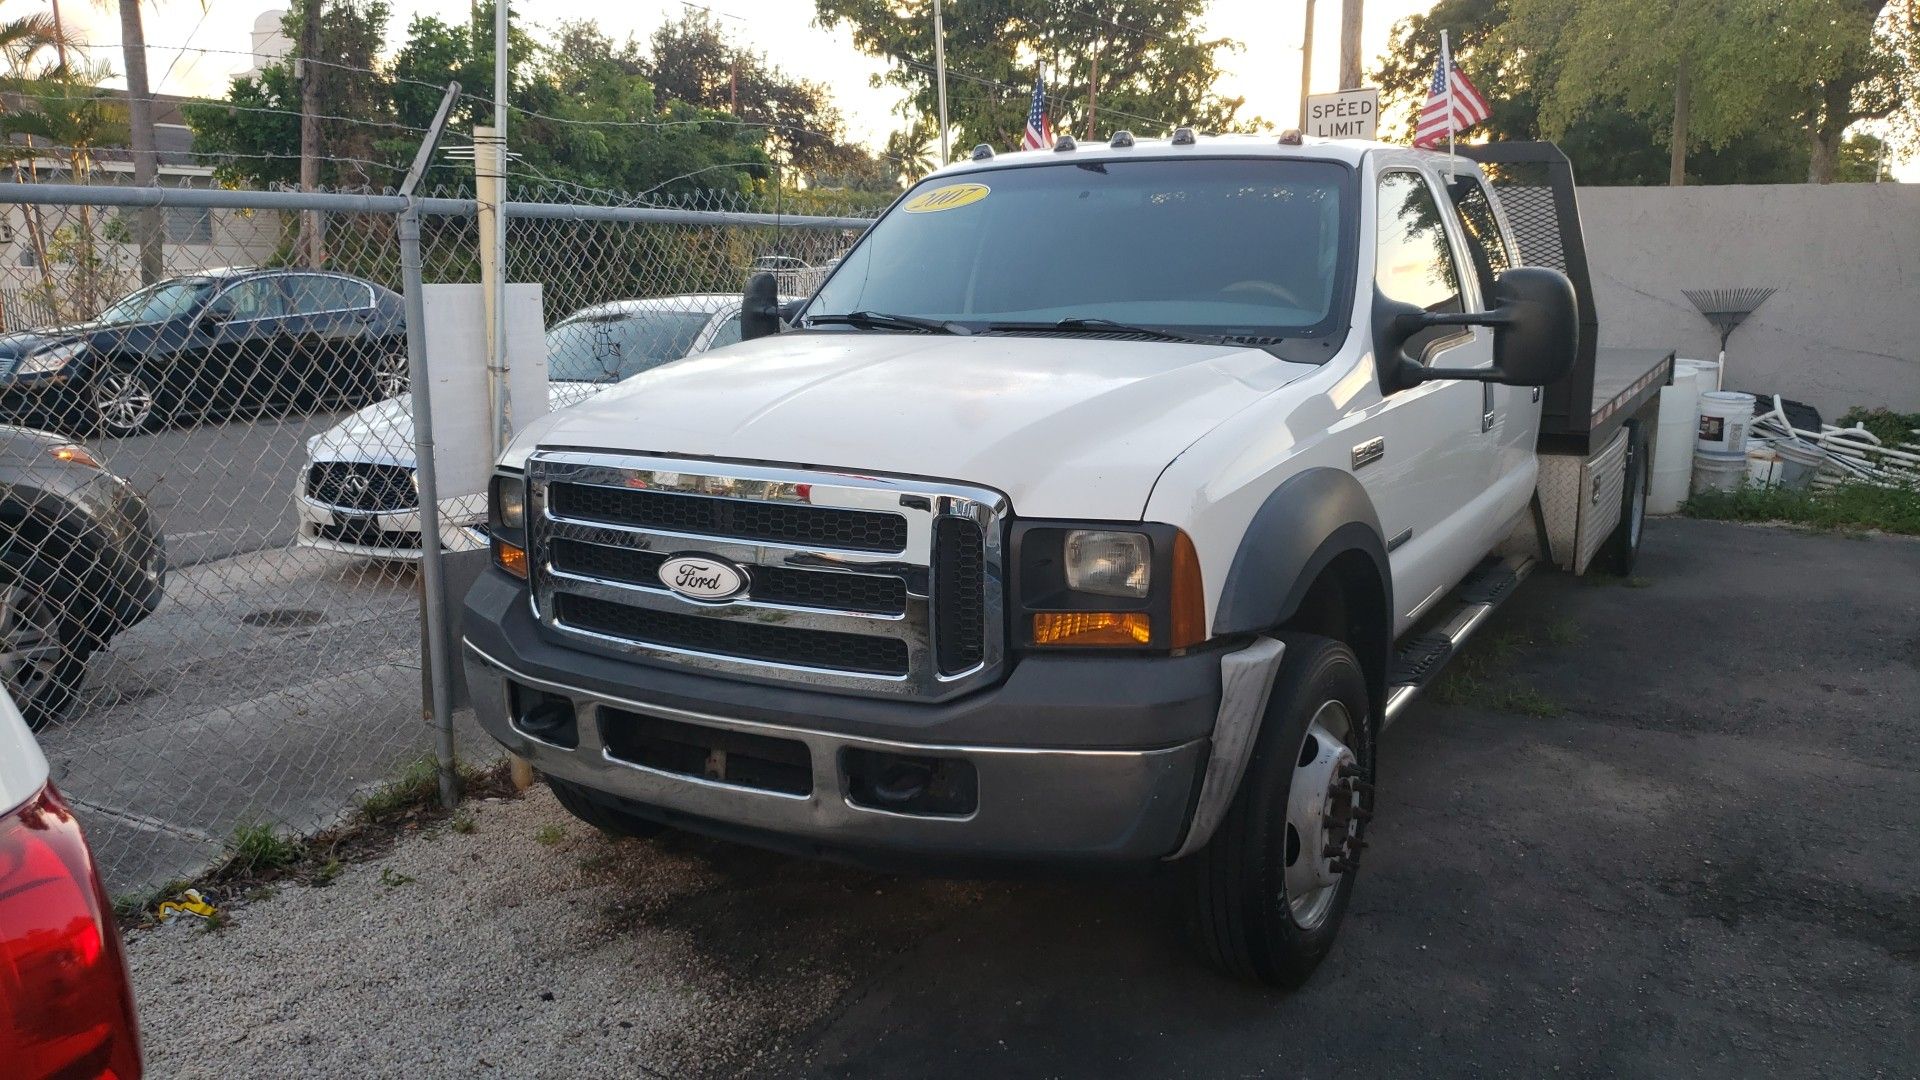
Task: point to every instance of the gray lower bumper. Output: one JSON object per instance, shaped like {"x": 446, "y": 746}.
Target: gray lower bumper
{"x": 1097, "y": 805}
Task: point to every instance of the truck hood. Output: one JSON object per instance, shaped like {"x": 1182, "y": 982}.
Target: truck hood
{"x": 1065, "y": 426}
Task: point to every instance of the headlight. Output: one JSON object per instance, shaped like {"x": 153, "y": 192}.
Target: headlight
{"x": 1108, "y": 563}
{"x": 1136, "y": 587}
{"x": 51, "y": 359}
{"x": 507, "y": 522}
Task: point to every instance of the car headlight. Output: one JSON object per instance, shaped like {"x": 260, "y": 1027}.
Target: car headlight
{"x": 507, "y": 522}
{"x": 1134, "y": 587}
{"x": 51, "y": 359}
{"x": 1108, "y": 563}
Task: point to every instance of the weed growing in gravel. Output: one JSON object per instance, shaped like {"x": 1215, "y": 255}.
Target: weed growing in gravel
{"x": 549, "y": 835}
{"x": 326, "y": 872}
{"x": 462, "y": 822}
{"x": 393, "y": 880}
{"x": 255, "y": 848}
{"x": 1563, "y": 632}
{"x": 1526, "y": 701}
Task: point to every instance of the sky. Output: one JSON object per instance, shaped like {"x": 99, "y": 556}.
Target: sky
{"x": 1266, "y": 71}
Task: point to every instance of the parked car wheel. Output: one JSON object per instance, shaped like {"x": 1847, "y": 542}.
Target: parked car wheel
{"x": 42, "y": 650}
{"x": 1621, "y": 550}
{"x": 390, "y": 378}
{"x": 125, "y": 401}
{"x": 607, "y": 819}
{"x": 1266, "y": 895}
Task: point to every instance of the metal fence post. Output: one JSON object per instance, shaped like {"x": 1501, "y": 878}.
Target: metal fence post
{"x": 433, "y": 600}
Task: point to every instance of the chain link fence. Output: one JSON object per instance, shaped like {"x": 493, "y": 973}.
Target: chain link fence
{"x": 209, "y": 513}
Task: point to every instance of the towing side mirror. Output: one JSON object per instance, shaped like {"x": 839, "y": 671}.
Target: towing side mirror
{"x": 1536, "y": 332}
{"x": 760, "y": 307}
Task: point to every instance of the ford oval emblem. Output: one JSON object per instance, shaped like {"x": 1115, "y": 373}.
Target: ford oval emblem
{"x": 703, "y": 577}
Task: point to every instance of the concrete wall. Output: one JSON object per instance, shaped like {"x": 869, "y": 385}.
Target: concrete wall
{"x": 1844, "y": 327}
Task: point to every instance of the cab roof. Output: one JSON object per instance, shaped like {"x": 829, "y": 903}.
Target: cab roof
{"x": 1349, "y": 151}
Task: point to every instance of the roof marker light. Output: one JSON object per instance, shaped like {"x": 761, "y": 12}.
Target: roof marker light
{"x": 1290, "y": 137}
{"x": 1121, "y": 139}
{"x": 1065, "y": 144}
{"x": 982, "y": 151}
{"x": 1183, "y": 136}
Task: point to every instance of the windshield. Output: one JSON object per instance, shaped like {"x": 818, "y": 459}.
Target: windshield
{"x": 1251, "y": 247}
{"x": 611, "y": 347}
{"x": 158, "y": 302}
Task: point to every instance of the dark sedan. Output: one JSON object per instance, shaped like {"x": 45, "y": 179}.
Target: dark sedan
{"x": 81, "y": 559}
{"x": 208, "y": 345}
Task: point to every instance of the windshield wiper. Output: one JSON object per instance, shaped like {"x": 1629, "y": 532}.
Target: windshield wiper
{"x": 880, "y": 320}
{"x": 1105, "y": 326}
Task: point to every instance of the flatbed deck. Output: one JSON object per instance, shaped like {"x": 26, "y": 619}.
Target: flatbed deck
{"x": 1625, "y": 381}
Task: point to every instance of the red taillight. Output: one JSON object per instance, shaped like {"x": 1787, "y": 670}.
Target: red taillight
{"x": 66, "y": 1007}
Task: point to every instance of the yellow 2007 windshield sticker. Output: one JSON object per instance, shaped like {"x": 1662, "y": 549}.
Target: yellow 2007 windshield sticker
{"x": 946, "y": 198}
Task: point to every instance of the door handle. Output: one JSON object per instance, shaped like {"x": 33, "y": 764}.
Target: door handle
{"x": 1486, "y": 407}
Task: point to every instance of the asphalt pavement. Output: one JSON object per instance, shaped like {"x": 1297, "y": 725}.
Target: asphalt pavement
{"x": 1668, "y": 828}
{"x": 220, "y": 488}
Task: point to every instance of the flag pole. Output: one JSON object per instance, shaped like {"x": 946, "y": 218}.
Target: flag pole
{"x": 1446, "y": 69}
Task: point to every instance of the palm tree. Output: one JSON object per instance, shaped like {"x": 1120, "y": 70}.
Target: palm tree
{"x": 147, "y": 223}
{"x": 912, "y": 150}
{"x": 69, "y": 112}
{"x": 23, "y": 41}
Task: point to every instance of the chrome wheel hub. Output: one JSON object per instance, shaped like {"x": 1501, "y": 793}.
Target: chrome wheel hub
{"x": 392, "y": 380}
{"x": 125, "y": 402}
{"x": 1326, "y": 807}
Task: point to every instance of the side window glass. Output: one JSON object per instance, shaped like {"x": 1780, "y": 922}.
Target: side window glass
{"x": 1485, "y": 245}
{"x": 259, "y": 298}
{"x": 1413, "y": 263}
{"x": 728, "y": 333}
{"x": 310, "y": 294}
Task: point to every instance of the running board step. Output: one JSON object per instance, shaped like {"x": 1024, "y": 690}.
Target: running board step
{"x": 1422, "y": 656}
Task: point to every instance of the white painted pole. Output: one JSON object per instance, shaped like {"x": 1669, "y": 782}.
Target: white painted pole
{"x": 498, "y": 386}
{"x": 940, "y": 74}
{"x": 1446, "y": 68}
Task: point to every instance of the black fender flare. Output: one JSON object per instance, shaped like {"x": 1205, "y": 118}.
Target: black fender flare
{"x": 1312, "y": 518}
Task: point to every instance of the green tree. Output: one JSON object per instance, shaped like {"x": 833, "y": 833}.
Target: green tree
{"x": 1863, "y": 159}
{"x": 1608, "y": 142}
{"x": 1711, "y": 71}
{"x": 693, "y": 62}
{"x": 1155, "y": 69}
{"x": 72, "y": 117}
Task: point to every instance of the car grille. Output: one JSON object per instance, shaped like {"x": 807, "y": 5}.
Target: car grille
{"x": 858, "y": 583}
{"x": 363, "y": 487}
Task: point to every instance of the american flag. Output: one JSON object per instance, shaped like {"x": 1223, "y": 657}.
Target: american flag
{"x": 1039, "y": 133}
{"x": 1445, "y": 113}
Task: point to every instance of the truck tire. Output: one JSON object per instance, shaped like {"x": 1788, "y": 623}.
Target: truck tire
{"x": 581, "y": 804}
{"x": 1266, "y": 895}
{"x": 1621, "y": 549}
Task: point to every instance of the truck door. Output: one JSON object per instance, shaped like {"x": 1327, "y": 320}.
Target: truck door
{"x": 1429, "y": 475}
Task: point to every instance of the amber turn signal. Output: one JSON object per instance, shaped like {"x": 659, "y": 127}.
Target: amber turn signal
{"x": 1092, "y": 628}
{"x": 511, "y": 558}
{"x": 1189, "y": 596}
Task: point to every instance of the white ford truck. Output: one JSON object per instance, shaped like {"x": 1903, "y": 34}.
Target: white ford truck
{"x": 1102, "y": 507}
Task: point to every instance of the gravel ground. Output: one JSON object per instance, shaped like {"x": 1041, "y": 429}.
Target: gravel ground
{"x": 1669, "y": 831}
{"x": 530, "y": 936}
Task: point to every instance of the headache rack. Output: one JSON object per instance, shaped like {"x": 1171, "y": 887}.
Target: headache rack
{"x": 1607, "y": 386}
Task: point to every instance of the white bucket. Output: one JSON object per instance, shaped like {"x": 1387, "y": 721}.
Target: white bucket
{"x": 1763, "y": 465}
{"x": 1707, "y": 372}
{"x": 1673, "y": 442}
{"x": 1725, "y": 416}
{"x": 1718, "y": 472}
{"x": 1799, "y": 460}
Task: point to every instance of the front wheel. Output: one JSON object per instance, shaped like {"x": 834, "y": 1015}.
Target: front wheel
{"x": 125, "y": 401}
{"x": 390, "y": 374}
{"x": 1266, "y": 895}
{"x": 42, "y": 653}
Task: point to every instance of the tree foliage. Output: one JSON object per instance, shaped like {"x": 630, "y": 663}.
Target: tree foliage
{"x": 1598, "y": 76}
{"x": 1156, "y": 71}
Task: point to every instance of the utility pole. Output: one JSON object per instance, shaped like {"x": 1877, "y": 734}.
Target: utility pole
{"x": 312, "y": 247}
{"x": 1350, "y": 17}
{"x": 940, "y": 73}
{"x": 1306, "y": 65}
{"x": 1093, "y": 85}
{"x": 147, "y": 222}
{"x": 1677, "y": 149}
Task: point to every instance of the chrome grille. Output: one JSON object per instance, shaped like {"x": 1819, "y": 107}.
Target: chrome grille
{"x": 857, "y": 583}
{"x": 363, "y": 487}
